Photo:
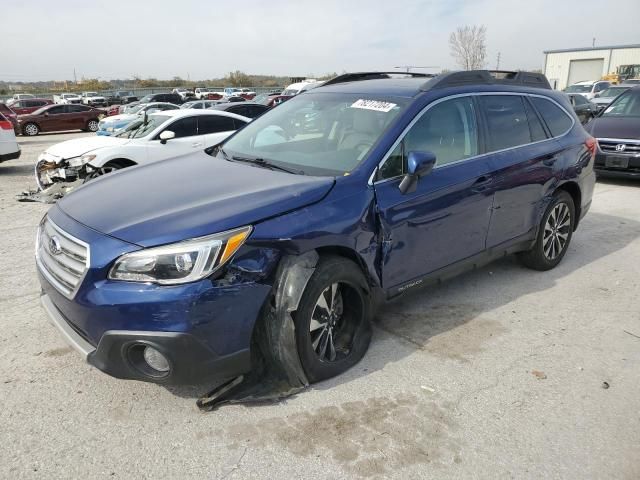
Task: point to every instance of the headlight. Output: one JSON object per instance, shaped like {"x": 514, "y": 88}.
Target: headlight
{"x": 181, "y": 262}
{"x": 79, "y": 161}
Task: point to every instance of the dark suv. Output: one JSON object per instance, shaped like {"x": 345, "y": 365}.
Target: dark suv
{"x": 275, "y": 253}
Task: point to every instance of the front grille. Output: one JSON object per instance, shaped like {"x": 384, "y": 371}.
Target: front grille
{"x": 62, "y": 258}
{"x": 631, "y": 147}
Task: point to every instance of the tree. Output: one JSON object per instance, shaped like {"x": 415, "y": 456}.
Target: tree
{"x": 468, "y": 46}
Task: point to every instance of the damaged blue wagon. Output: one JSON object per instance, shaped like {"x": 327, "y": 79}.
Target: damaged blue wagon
{"x": 267, "y": 255}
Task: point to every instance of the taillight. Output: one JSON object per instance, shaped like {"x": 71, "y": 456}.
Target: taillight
{"x": 6, "y": 125}
{"x": 590, "y": 143}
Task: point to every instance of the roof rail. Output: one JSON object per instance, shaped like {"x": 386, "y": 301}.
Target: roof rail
{"x": 358, "y": 76}
{"x": 487, "y": 77}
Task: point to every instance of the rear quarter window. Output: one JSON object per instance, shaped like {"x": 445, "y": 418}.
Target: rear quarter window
{"x": 557, "y": 120}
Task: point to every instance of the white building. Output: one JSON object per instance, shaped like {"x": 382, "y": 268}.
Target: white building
{"x": 568, "y": 66}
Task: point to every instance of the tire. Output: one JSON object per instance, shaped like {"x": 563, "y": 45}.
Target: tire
{"x": 92, "y": 125}
{"x": 107, "y": 168}
{"x": 30, "y": 130}
{"x": 552, "y": 241}
{"x": 339, "y": 283}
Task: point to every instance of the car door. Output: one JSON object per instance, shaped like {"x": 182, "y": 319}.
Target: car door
{"x": 215, "y": 128}
{"x": 54, "y": 119}
{"x": 524, "y": 161}
{"x": 445, "y": 220}
{"x": 185, "y": 141}
{"x": 77, "y": 116}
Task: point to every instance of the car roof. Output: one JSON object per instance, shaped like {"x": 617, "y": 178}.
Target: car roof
{"x": 398, "y": 87}
{"x": 190, "y": 113}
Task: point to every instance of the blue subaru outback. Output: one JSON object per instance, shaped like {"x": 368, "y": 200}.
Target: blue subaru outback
{"x": 280, "y": 242}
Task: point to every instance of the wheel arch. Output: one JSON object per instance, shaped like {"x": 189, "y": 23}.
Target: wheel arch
{"x": 573, "y": 189}
{"x": 102, "y": 161}
{"x": 355, "y": 257}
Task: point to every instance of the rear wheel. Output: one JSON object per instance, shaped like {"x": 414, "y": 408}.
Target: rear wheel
{"x": 554, "y": 234}
{"x": 332, "y": 322}
{"x": 30, "y": 129}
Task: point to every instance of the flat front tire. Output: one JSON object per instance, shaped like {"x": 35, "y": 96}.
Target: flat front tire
{"x": 554, "y": 234}
{"x": 332, "y": 323}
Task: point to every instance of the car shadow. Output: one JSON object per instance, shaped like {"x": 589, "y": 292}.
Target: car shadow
{"x": 7, "y": 170}
{"x": 420, "y": 317}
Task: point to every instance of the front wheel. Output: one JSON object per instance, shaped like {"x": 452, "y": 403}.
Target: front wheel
{"x": 332, "y": 322}
{"x": 554, "y": 234}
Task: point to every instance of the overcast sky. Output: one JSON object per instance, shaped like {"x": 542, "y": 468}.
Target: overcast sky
{"x": 46, "y": 40}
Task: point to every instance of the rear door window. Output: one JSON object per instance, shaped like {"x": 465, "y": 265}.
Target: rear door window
{"x": 557, "y": 120}
{"x": 214, "y": 124}
{"x": 507, "y": 123}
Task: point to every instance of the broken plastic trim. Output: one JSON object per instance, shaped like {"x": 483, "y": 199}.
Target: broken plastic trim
{"x": 51, "y": 194}
{"x": 276, "y": 369}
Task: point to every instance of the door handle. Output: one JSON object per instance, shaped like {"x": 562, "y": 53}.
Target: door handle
{"x": 481, "y": 184}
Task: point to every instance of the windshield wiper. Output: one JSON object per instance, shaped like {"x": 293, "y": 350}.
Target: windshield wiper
{"x": 262, "y": 162}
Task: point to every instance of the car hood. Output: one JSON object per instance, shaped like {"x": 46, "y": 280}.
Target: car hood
{"x": 79, "y": 146}
{"x": 187, "y": 197}
{"x": 615, "y": 127}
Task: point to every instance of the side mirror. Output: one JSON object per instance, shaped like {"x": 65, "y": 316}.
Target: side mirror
{"x": 166, "y": 135}
{"x": 419, "y": 164}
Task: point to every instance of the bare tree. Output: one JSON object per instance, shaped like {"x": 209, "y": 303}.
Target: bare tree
{"x": 468, "y": 46}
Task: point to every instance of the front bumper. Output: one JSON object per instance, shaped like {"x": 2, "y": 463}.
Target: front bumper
{"x": 632, "y": 169}
{"x": 191, "y": 361}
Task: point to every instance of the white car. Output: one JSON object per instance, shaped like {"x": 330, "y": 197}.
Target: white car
{"x": 296, "y": 88}
{"x": 67, "y": 99}
{"x": 165, "y": 135}
{"x": 22, "y": 96}
{"x": 9, "y": 148}
{"x": 588, "y": 89}
{"x": 184, "y": 93}
{"x": 93, "y": 99}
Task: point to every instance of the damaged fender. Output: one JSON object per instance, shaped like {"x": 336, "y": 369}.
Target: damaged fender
{"x": 276, "y": 368}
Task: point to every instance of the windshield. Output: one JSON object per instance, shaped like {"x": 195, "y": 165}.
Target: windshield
{"x": 578, "y": 89}
{"x": 317, "y": 133}
{"x": 136, "y": 109}
{"x": 611, "y": 92}
{"x": 128, "y": 131}
{"x": 146, "y": 98}
{"x": 626, "y": 105}
{"x": 153, "y": 122}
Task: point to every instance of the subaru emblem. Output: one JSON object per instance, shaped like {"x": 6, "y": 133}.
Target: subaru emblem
{"x": 620, "y": 147}
{"x": 54, "y": 246}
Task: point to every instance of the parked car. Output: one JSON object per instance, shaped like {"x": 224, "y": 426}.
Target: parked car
{"x": 199, "y": 104}
{"x": 205, "y": 93}
{"x": 121, "y": 98}
{"x": 164, "y": 135}
{"x": 154, "y": 97}
{"x": 631, "y": 81}
{"x": 110, "y": 125}
{"x": 246, "y": 109}
{"x": 22, "y": 96}
{"x": 9, "y": 148}
{"x": 271, "y": 99}
{"x": 55, "y": 118}
{"x": 10, "y": 115}
{"x": 245, "y": 93}
{"x": 585, "y": 110}
{"x": 299, "y": 87}
{"x": 281, "y": 246}
{"x": 605, "y": 97}
{"x": 588, "y": 89}
{"x": 617, "y": 130}
{"x": 93, "y": 99}
{"x": 184, "y": 93}
{"x": 67, "y": 99}
{"x": 29, "y": 105}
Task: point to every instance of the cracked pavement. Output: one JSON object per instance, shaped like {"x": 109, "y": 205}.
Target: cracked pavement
{"x": 496, "y": 374}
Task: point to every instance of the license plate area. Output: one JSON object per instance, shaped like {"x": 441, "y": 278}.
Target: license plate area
{"x": 616, "y": 162}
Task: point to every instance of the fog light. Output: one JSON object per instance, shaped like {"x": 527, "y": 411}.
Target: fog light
{"x": 156, "y": 360}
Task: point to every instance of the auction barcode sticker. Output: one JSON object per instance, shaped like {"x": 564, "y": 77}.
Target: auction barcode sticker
{"x": 376, "y": 105}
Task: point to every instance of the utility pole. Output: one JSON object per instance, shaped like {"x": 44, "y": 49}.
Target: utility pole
{"x": 75, "y": 79}
{"x": 498, "y": 62}
{"x": 593, "y": 42}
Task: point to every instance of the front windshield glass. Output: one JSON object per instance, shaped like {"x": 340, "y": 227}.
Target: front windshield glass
{"x": 153, "y": 122}
{"x": 611, "y": 92}
{"x": 626, "y": 105}
{"x": 578, "y": 89}
{"x": 136, "y": 109}
{"x": 317, "y": 133}
{"x": 146, "y": 98}
{"x": 128, "y": 131}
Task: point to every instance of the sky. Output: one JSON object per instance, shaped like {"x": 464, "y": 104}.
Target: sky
{"x": 209, "y": 38}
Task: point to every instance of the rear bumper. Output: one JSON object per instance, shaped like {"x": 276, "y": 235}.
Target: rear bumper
{"x": 11, "y": 156}
{"x": 191, "y": 361}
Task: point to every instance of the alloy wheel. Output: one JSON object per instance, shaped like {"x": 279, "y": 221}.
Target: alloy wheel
{"x": 93, "y": 126}
{"x": 31, "y": 129}
{"x": 327, "y": 326}
{"x": 556, "y": 231}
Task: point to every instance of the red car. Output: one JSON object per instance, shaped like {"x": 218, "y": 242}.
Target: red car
{"x": 10, "y": 115}
{"x": 55, "y": 118}
{"x": 28, "y": 105}
{"x": 113, "y": 110}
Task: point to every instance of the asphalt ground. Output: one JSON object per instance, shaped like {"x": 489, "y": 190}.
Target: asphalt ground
{"x": 500, "y": 373}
